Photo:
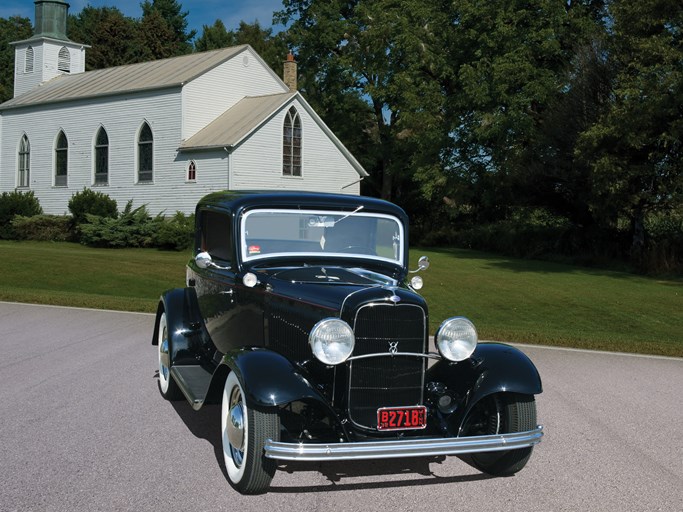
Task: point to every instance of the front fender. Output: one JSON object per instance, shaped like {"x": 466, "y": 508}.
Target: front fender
{"x": 492, "y": 368}
{"x": 184, "y": 324}
{"x": 269, "y": 379}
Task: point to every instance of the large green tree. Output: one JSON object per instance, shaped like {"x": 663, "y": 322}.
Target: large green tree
{"x": 370, "y": 66}
{"x": 635, "y": 149}
{"x": 271, "y": 47}
{"x": 164, "y": 28}
{"x": 114, "y": 39}
{"x": 12, "y": 29}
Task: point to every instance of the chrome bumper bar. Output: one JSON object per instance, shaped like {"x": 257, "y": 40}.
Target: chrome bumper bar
{"x": 402, "y": 448}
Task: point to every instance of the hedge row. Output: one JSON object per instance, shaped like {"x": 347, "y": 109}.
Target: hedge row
{"x": 94, "y": 221}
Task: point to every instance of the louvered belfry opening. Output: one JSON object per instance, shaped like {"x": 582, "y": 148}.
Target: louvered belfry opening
{"x": 387, "y": 380}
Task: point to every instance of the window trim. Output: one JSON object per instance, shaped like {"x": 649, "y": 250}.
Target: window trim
{"x": 290, "y": 151}
{"x": 191, "y": 172}
{"x": 140, "y": 144}
{"x": 61, "y": 156}
{"x": 24, "y": 156}
{"x": 97, "y": 148}
{"x": 64, "y": 60}
{"x": 29, "y": 60}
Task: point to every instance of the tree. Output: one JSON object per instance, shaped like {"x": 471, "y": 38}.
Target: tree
{"x": 113, "y": 37}
{"x": 14, "y": 28}
{"x": 170, "y": 11}
{"x": 214, "y": 37}
{"x": 635, "y": 149}
{"x": 372, "y": 63}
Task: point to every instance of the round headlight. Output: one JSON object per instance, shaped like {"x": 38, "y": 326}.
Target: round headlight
{"x": 332, "y": 340}
{"x": 456, "y": 339}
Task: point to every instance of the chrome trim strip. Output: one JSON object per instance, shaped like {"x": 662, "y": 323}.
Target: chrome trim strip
{"x": 402, "y": 448}
{"x": 430, "y": 355}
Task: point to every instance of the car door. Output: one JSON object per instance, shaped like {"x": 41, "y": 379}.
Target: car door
{"x": 215, "y": 285}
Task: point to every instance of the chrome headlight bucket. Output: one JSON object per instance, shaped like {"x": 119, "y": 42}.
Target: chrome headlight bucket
{"x": 332, "y": 341}
{"x": 456, "y": 338}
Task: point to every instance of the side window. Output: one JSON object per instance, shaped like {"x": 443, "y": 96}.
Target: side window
{"x": 64, "y": 60}
{"x": 61, "y": 160}
{"x": 216, "y": 235}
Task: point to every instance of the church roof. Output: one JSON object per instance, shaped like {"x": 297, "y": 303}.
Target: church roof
{"x": 158, "y": 74}
{"x": 233, "y": 125}
{"x": 238, "y": 122}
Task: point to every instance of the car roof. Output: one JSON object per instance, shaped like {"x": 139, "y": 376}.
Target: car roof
{"x": 236, "y": 201}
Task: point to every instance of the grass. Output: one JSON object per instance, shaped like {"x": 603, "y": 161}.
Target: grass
{"x": 510, "y": 300}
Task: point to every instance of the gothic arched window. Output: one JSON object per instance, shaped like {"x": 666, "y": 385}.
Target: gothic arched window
{"x": 64, "y": 60}
{"x": 28, "y": 64}
{"x": 101, "y": 157}
{"x": 61, "y": 160}
{"x": 24, "y": 162}
{"x": 145, "y": 154}
{"x": 291, "y": 144}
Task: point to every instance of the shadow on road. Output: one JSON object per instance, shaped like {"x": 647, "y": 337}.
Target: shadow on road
{"x": 205, "y": 424}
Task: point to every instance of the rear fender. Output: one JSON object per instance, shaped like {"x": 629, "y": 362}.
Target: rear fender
{"x": 492, "y": 368}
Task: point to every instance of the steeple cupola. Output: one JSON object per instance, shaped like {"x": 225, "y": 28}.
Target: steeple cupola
{"x": 49, "y": 53}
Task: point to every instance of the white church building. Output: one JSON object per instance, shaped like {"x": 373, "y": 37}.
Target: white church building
{"x": 162, "y": 133}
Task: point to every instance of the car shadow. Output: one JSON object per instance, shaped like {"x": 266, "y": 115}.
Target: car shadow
{"x": 205, "y": 424}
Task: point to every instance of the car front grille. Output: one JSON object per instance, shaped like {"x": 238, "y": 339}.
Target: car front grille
{"x": 386, "y": 380}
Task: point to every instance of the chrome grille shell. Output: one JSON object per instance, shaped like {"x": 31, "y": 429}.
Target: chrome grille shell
{"x": 387, "y": 379}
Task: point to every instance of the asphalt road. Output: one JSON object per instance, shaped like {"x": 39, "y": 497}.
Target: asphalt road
{"x": 83, "y": 428}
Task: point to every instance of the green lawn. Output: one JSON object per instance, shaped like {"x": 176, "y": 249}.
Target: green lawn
{"x": 510, "y": 300}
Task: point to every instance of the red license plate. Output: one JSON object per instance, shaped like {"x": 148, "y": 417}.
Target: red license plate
{"x": 402, "y": 418}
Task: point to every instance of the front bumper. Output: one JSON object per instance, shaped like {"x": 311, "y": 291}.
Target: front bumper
{"x": 403, "y": 447}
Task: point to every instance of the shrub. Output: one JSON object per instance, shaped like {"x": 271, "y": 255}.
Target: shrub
{"x": 132, "y": 228}
{"x": 56, "y": 228}
{"x": 88, "y": 202}
{"x": 16, "y": 203}
{"x": 175, "y": 233}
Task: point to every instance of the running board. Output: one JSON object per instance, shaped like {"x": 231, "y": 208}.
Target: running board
{"x": 402, "y": 448}
{"x": 193, "y": 381}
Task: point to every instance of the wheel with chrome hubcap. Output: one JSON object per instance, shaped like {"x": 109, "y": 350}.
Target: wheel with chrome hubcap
{"x": 244, "y": 432}
{"x": 167, "y": 386}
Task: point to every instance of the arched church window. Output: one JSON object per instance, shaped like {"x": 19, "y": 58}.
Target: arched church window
{"x": 28, "y": 64}
{"x": 61, "y": 160}
{"x": 64, "y": 60}
{"x": 101, "y": 157}
{"x": 291, "y": 144}
{"x": 192, "y": 171}
{"x": 24, "y": 163}
{"x": 145, "y": 154}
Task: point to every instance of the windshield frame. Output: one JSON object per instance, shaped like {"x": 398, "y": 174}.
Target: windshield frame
{"x": 343, "y": 214}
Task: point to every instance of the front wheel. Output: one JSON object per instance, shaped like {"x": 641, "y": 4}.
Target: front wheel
{"x": 501, "y": 414}
{"x": 244, "y": 431}
{"x": 167, "y": 386}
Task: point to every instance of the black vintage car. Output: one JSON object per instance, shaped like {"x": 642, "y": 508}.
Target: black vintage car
{"x": 299, "y": 316}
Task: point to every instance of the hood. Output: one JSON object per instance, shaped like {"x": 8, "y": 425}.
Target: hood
{"x": 339, "y": 290}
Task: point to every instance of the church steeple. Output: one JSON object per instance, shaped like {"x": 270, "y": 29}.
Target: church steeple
{"x": 49, "y": 52}
{"x": 51, "y": 19}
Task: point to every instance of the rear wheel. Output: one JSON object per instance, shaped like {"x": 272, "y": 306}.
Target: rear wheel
{"x": 244, "y": 431}
{"x": 501, "y": 414}
{"x": 167, "y": 386}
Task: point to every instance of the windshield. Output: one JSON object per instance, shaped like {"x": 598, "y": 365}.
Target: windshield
{"x": 270, "y": 233}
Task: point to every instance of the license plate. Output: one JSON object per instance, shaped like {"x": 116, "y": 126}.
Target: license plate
{"x": 402, "y": 418}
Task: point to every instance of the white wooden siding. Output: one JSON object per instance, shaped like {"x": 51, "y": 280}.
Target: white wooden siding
{"x": 208, "y": 96}
{"x": 45, "y": 58}
{"x": 122, "y": 117}
{"x": 257, "y": 162}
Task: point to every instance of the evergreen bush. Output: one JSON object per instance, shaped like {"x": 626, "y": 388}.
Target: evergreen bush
{"x": 16, "y": 203}
{"x": 88, "y": 202}
{"x": 175, "y": 233}
{"x": 132, "y": 228}
{"x": 54, "y": 228}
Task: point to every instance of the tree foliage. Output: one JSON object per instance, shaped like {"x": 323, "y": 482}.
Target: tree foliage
{"x": 12, "y": 29}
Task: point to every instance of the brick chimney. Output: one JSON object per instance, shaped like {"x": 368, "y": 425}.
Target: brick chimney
{"x": 289, "y": 74}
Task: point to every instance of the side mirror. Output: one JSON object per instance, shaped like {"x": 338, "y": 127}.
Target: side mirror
{"x": 203, "y": 260}
{"x": 422, "y": 264}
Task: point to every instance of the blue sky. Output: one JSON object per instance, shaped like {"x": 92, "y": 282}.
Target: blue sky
{"x": 201, "y": 12}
